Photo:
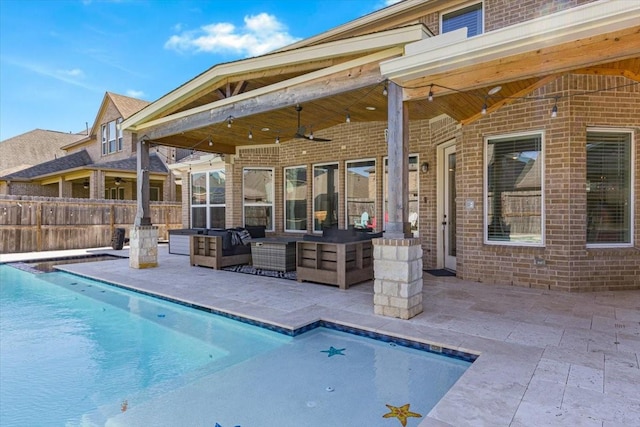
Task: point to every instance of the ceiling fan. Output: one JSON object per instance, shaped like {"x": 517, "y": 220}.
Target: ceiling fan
{"x": 300, "y": 133}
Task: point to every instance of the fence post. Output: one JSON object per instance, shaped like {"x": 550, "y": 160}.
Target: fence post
{"x": 112, "y": 219}
{"x": 39, "y": 226}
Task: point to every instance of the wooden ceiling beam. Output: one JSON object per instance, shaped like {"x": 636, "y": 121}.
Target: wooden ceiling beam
{"x": 563, "y": 58}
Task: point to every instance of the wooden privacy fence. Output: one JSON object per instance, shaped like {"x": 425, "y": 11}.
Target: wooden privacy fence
{"x": 32, "y": 224}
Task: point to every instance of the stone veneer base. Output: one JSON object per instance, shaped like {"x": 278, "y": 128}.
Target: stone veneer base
{"x": 397, "y": 271}
{"x": 143, "y": 246}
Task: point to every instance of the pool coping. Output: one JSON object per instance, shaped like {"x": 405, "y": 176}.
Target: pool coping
{"x": 426, "y": 346}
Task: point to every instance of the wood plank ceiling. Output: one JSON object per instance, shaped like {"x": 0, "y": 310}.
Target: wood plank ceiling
{"x": 363, "y": 105}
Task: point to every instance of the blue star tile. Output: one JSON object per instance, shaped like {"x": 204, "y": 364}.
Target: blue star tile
{"x": 333, "y": 351}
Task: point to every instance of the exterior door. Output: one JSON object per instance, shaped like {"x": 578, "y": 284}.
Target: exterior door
{"x": 448, "y": 218}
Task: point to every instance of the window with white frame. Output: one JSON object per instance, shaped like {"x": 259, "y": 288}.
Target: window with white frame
{"x": 103, "y": 133}
{"x": 257, "y": 190}
{"x": 295, "y": 198}
{"x": 111, "y": 138}
{"x": 325, "y": 196}
{"x": 513, "y": 190}
{"x": 412, "y": 196}
{"x": 120, "y": 132}
{"x": 208, "y": 199}
{"x": 361, "y": 193}
{"x": 114, "y": 193}
{"x": 469, "y": 16}
{"x": 609, "y": 187}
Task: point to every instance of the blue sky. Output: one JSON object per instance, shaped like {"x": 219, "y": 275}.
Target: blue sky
{"x": 59, "y": 57}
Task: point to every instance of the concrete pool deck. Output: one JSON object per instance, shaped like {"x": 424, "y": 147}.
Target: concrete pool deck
{"x": 547, "y": 358}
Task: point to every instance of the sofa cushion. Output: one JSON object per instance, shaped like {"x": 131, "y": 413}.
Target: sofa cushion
{"x": 237, "y": 250}
{"x": 256, "y": 231}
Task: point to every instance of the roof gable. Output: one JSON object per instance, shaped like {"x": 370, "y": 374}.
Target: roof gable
{"x": 283, "y": 66}
{"x": 125, "y": 105}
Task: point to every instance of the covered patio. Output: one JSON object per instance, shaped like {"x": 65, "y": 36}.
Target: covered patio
{"x": 385, "y": 93}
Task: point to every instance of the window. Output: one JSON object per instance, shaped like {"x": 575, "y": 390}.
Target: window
{"x": 470, "y": 17}
{"x": 295, "y": 198}
{"x": 111, "y": 138}
{"x": 114, "y": 193}
{"x": 413, "y": 194}
{"x": 513, "y": 190}
{"x": 325, "y": 196}
{"x": 361, "y": 193}
{"x": 119, "y": 134}
{"x": 208, "y": 199}
{"x": 104, "y": 139}
{"x": 609, "y": 189}
{"x": 217, "y": 198}
{"x": 257, "y": 189}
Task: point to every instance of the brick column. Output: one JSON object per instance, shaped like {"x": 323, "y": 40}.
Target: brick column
{"x": 143, "y": 246}
{"x": 397, "y": 272}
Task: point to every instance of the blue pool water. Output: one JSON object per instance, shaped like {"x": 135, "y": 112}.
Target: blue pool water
{"x": 75, "y": 352}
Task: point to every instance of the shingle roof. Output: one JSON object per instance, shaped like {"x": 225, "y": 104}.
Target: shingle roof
{"x": 126, "y": 105}
{"x": 34, "y": 147}
{"x": 70, "y": 161}
{"x": 130, "y": 164}
{"x": 82, "y": 159}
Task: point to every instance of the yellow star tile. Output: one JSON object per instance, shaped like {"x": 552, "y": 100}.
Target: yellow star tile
{"x": 401, "y": 413}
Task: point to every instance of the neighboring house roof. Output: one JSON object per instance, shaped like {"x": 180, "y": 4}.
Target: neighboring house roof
{"x": 126, "y": 105}
{"x": 36, "y": 146}
{"x": 70, "y": 161}
{"x": 155, "y": 164}
{"x": 82, "y": 160}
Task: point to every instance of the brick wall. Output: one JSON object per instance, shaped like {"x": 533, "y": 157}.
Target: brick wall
{"x": 568, "y": 264}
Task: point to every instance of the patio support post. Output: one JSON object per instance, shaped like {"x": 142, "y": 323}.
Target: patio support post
{"x": 397, "y": 258}
{"x": 398, "y": 226}
{"x": 143, "y": 239}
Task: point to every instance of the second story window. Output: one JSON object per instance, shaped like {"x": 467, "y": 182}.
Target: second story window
{"x": 469, "y": 16}
{"x": 119, "y": 122}
{"x": 111, "y": 137}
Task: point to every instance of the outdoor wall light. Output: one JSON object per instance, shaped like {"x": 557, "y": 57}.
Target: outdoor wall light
{"x": 85, "y": 185}
{"x": 424, "y": 167}
{"x": 118, "y": 181}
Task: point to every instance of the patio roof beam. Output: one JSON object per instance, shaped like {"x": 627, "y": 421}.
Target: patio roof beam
{"x": 557, "y": 59}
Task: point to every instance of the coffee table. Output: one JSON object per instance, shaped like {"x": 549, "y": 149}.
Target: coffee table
{"x": 274, "y": 253}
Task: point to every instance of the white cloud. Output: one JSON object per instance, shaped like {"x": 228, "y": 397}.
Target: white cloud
{"x": 74, "y": 76}
{"x": 260, "y": 34}
{"x": 135, "y": 93}
{"x": 76, "y": 72}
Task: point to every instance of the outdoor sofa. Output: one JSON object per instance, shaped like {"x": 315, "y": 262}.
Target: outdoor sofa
{"x": 338, "y": 257}
{"x": 218, "y": 248}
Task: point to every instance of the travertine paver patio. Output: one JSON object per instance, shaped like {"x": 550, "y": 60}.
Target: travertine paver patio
{"x": 546, "y": 358}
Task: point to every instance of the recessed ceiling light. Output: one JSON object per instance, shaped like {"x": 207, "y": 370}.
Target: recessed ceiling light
{"x": 370, "y": 108}
{"x": 265, "y": 129}
{"x": 495, "y": 90}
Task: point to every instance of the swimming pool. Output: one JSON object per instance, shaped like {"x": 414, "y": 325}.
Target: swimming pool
{"x": 78, "y": 352}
